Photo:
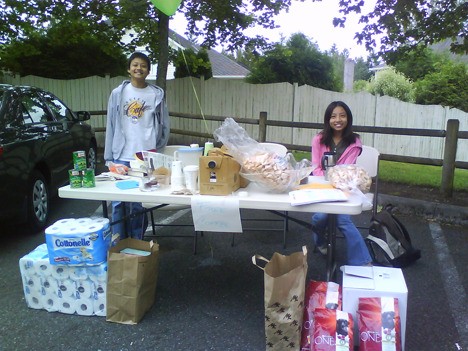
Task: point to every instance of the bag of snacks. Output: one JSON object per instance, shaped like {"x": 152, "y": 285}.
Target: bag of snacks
{"x": 352, "y": 179}
{"x": 264, "y": 167}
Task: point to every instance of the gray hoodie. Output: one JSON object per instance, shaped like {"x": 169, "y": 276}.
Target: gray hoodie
{"x": 115, "y": 137}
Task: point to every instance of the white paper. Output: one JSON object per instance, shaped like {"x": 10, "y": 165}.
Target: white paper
{"x": 216, "y": 214}
{"x": 310, "y": 196}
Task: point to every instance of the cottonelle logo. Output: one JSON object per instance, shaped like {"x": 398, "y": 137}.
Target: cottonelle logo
{"x": 63, "y": 243}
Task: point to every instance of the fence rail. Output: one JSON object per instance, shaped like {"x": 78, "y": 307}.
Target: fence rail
{"x": 448, "y": 162}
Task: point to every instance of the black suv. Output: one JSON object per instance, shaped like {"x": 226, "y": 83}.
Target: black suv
{"x": 38, "y": 134}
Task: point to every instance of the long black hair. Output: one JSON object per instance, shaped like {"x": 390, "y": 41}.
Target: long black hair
{"x": 348, "y": 137}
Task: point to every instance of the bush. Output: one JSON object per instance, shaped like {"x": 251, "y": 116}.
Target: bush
{"x": 392, "y": 83}
{"x": 448, "y": 86}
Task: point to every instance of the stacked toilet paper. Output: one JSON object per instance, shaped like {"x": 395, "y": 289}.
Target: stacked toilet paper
{"x": 68, "y": 289}
{"x": 81, "y": 241}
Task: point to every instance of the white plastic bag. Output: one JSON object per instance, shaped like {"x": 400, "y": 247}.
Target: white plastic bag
{"x": 273, "y": 172}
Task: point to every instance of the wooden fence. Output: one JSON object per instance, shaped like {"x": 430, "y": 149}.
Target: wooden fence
{"x": 416, "y": 133}
{"x": 451, "y": 137}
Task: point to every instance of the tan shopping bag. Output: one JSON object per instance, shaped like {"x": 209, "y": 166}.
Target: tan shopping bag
{"x": 131, "y": 280}
{"x": 285, "y": 278}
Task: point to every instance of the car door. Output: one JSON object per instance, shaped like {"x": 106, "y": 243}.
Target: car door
{"x": 56, "y": 143}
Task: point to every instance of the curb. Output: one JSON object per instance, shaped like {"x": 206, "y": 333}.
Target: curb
{"x": 442, "y": 213}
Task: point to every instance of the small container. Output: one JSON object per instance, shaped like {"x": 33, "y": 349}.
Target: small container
{"x": 76, "y": 179}
{"x": 208, "y": 146}
{"x": 79, "y": 160}
{"x": 89, "y": 180}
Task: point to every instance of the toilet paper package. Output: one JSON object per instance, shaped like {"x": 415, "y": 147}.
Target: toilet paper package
{"x": 81, "y": 241}
{"x": 64, "y": 289}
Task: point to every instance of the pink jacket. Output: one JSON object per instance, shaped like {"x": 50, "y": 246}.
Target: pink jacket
{"x": 349, "y": 155}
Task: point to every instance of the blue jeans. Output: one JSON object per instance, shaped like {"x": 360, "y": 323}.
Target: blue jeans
{"x": 357, "y": 251}
{"x": 136, "y": 226}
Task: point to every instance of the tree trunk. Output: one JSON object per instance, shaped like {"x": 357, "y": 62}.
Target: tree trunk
{"x": 163, "y": 58}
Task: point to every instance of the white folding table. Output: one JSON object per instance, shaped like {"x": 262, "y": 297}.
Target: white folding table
{"x": 256, "y": 199}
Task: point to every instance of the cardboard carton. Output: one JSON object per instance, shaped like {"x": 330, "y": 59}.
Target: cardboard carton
{"x": 219, "y": 175}
{"x": 374, "y": 282}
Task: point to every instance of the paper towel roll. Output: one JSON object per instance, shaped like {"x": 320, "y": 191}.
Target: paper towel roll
{"x": 67, "y": 304}
{"x": 98, "y": 273}
{"x": 78, "y": 273}
{"x": 84, "y": 289}
{"x": 34, "y": 300}
{"x": 83, "y": 221}
{"x": 99, "y": 306}
{"x": 99, "y": 289}
{"x": 60, "y": 272}
{"x": 33, "y": 282}
{"x": 64, "y": 221}
{"x": 49, "y": 285}
{"x": 66, "y": 288}
{"x": 84, "y": 307}
{"x": 43, "y": 267}
{"x": 50, "y": 302}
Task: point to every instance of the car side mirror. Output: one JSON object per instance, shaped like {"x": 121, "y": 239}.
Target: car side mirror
{"x": 83, "y": 115}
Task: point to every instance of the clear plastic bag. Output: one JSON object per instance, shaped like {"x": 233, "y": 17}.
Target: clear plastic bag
{"x": 273, "y": 172}
{"x": 352, "y": 179}
{"x": 349, "y": 177}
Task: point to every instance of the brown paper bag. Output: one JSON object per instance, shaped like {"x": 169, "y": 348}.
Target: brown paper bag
{"x": 285, "y": 278}
{"x": 131, "y": 281}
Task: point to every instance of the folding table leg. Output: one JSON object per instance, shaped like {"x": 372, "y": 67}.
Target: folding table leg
{"x": 331, "y": 245}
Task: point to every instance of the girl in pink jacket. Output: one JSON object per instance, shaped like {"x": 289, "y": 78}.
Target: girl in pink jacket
{"x": 337, "y": 136}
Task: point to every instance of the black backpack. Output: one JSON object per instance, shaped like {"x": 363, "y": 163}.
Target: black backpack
{"x": 389, "y": 242}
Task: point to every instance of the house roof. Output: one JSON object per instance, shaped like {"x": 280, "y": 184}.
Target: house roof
{"x": 221, "y": 65}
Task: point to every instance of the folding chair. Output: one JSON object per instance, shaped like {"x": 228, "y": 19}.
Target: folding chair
{"x": 369, "y": 160}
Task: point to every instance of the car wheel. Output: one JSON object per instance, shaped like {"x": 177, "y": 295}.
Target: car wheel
{"x": 38, "y": 201}
{"x": 92, "y": 156}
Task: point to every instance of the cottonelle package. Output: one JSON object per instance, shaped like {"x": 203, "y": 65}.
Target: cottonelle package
{"x": 65, "y": 289}
{"x": 80, "y": 241}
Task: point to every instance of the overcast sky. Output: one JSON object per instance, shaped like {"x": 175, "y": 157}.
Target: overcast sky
{"x": 315, "y": 20}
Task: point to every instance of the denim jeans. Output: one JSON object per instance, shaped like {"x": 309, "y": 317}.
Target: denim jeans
{"x": 136, "y": 226}
{"x": 356, "y": 248}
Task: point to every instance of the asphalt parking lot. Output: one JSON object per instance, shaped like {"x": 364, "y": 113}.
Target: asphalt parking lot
{"x": 214, "y": 300}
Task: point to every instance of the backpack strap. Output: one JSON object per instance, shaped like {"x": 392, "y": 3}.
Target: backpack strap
{"x": 382, "y": 244}
{"x": 385, "y": 218}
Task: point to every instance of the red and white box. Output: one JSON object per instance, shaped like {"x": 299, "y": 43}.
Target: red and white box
{"x": 374, "y": 282}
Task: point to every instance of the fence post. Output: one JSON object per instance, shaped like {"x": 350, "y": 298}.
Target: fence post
{"x": 262, "y": 127}
{"x": 450, "y": 154}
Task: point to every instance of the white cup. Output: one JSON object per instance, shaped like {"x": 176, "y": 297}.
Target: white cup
{"x": 191, "y": 177}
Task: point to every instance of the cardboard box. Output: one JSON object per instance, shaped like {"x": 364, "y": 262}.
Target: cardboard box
{"x": 374, "y": 282}
{"x": 219, "y": 175}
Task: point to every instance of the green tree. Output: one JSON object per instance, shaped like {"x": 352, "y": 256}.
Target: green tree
{"x": 408, "y": 24}
{"x": 338, "y": 61}
{"x": 297, "y": 61}
{"x": 362, "y": 70}
{"x": 188, "y": 63}
{"x": 418, "y": 63}
{"x": 447, "y": 86}
{"x": 392, "y": 83}
{"x": 214, "y": 20}
{"x": 66, "y": 50}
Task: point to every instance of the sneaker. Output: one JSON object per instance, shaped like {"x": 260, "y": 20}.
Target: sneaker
{"x": 322, "y": 249}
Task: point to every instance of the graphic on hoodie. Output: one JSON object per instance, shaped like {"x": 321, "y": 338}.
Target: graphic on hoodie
{"x": 135, "y": 109}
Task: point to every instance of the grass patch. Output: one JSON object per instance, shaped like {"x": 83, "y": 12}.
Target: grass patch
{"x": 412, "y": 174}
